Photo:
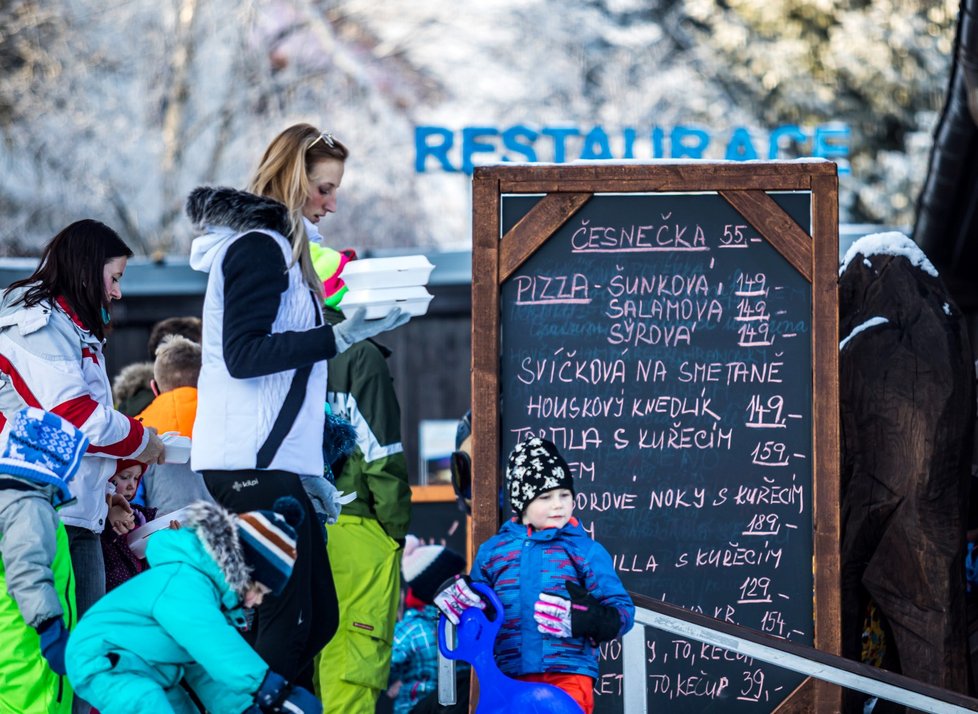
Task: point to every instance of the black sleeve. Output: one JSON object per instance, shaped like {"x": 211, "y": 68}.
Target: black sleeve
{"x": 255, "y": 279}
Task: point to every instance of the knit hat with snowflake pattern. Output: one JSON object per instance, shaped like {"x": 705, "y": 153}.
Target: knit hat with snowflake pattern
{"x": 43, "y": 448}
{"x": 534, "y": 467}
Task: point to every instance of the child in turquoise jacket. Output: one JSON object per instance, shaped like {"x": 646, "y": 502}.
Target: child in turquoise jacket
{"x": 179, "y": 619}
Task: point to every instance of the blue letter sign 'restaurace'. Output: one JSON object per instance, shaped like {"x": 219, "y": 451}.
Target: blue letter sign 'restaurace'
{"x": 439, "y": 148}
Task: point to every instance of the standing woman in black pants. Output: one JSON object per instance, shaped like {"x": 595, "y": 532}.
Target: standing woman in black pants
{"x": 262, "y": 386}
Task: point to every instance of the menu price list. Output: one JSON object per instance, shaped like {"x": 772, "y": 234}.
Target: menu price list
{"x": 664, "y": 347}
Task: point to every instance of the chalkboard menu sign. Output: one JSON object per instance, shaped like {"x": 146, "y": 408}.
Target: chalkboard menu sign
{"x": 669, "y": 339}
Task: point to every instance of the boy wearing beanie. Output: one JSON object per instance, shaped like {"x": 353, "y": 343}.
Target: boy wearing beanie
{"x": 171, "y": 486}
{"x": 37, "y": 594}
{"x": 560, "y": 593}
{"x": 414, "y": 660}
{"x": 180, "y": 618}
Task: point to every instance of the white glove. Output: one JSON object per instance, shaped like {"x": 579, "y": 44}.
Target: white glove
{"x": 356, "y": 328}
{"x": 455, "y": 596}
{"x": 553, "y": 615}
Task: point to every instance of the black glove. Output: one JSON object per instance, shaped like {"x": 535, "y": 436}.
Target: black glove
{"x": 276, "y": 696}
{"x": 591, "y": 619}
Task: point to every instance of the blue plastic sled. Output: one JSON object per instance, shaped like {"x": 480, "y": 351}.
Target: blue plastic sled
{"x": 499, "y": 694}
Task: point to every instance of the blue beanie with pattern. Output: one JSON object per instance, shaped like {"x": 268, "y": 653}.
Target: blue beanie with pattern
{"x": 43, "y": 448}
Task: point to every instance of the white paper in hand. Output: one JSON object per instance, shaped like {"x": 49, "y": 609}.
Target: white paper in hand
{"x": 177, "y": 447}
{"x": 345, "y": 498}
{"x": 137, "y": 538}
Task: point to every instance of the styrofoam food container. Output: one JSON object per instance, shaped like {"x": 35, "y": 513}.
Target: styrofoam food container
{"x": 380, "y": 301}
{"x": 400, "y": 271}
{"x": 137, "y": 538}
{"x": 177, "y": 447}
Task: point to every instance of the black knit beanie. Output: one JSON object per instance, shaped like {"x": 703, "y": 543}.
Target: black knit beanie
{"x": 534, "y": 467}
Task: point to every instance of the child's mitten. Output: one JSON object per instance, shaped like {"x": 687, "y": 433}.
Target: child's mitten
{"x": 553, "y": 615}
{"x": 54, "y": 638}
{"x": 581, "y": 616}
{"x": 455, "y": 595}
{"x": 277, "y": 696}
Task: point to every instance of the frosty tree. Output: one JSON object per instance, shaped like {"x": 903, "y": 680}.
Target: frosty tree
{"x": 115, "y": 109}
{"x": 878, "y": 65}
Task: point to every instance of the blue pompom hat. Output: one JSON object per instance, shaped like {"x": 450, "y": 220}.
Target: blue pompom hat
{"x": 43, "y": 448}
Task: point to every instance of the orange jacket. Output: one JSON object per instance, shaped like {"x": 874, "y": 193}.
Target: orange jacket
{"x": 172, "y": 411}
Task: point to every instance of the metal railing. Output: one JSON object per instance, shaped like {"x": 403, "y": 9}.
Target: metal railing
{"x": 782, "y": 653}
{"x": 734, "y": 638}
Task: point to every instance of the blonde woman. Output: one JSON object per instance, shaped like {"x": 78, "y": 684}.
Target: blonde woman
{"x": 262, "y": 384}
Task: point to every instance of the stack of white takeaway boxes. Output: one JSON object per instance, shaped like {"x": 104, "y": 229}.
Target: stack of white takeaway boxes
{"x": 380, "y": 284}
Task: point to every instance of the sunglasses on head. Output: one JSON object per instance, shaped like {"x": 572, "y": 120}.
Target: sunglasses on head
{"x": 326, "y": 138}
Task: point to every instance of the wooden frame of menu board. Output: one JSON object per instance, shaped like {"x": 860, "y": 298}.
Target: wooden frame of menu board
{"x": 613, "y": 259}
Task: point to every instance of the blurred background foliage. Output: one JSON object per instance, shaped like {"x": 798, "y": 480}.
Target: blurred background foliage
{"x": 116, "y": 108}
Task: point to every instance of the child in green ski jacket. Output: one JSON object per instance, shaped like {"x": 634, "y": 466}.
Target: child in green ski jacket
{"x": 37, "y": 595}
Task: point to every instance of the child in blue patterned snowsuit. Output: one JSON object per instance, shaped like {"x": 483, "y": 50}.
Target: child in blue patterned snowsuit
{"x": 559, "y": 590}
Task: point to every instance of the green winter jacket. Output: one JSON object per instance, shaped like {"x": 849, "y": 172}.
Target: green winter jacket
{"x": 36, "y": 583}
{"x": 173, "y": 621}
{"x": 360, "y": 389}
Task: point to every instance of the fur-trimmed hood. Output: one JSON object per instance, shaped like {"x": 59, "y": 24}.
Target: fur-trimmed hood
{"x": 216, "y": 531}
{"x": 131, "y": 379}
{"x": 223, "y": 213}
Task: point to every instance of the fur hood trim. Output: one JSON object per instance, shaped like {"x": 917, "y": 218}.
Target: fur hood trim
{"x": 131, "y": 379}
{"x": 217, "y": 530}
{"x": 211, "y": 207}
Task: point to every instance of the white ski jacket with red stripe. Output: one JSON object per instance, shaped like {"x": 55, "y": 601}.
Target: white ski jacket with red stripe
{"x": 48, "y": 360}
